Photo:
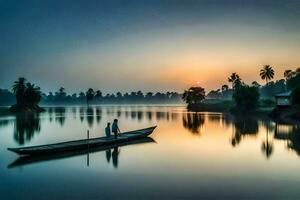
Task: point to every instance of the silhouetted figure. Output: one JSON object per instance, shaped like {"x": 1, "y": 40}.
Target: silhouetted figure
{"x": 115, "y": 128}
{"x": 115, "y": 157}
{"x": 107, "y": 130}
{"x": 108, "y": 155}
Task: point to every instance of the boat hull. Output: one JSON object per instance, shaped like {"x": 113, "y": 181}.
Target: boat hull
{"x": 84, "y": 144}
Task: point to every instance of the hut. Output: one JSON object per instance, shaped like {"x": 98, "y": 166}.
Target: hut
{"x": 283, "y": 99}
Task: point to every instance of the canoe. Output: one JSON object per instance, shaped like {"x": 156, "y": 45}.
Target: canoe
{"x": 32, "y": 159}
{"x": 83, "y": 144}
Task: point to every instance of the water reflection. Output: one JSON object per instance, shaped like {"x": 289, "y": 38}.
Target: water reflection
{"x": 240, "y": 127}
{"x": 243, "y": 127}
{"x": 90, "y": 116}
{"x": 193, "y": 122}
{"x": 111, "y": 152}
{"x": 98, "y": 114}
{"x": 60, "y": 115}
{"x": 26, "y": 125}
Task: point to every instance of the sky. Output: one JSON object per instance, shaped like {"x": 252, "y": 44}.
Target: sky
{"x": 148, "y": 45}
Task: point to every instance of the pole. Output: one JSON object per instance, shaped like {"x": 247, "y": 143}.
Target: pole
{"x": 88, "y": 147}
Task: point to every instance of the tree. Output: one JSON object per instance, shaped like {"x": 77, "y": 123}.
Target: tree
{"x": 89, "y": 95}
{"x": 194, "y": 95}
{"x": 19, "y": 90}
{"x": 98, "y": 94}
{"x": 214, "y": 94}
{"x": 295, "y": 95}
{"x": 267, "y": 73}
{"x": 224, "y": 88}
{"x": 288, "y": 74}
{"x": 32, "y": 94}
{"x": 293, "y": 79}
{"x": 255, "y": 84}
{"x": 246, "y": 98}
{"x": 235, "y": 79}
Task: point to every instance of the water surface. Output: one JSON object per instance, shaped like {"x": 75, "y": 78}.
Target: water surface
{"x": 195, "y": 155}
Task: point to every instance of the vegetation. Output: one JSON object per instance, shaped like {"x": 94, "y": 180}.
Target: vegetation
{"x": 246, "y": 98}
{"x": 89, "y": 95}
{"x": 194, "y": 95}
{"x": 27, "y": 95}
{"x": 292, "y": 78}
{"x": 61, "y": 97}
{"x": 267, "y": 73}
{"x": 235, "y": 80}
{"x": 295, "y": 96}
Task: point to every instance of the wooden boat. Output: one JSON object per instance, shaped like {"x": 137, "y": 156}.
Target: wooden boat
{"x": 32, "y": 159}
{"x": 83, "y": 144}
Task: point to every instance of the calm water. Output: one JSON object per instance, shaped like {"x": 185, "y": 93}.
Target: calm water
{"x": 203, "y": 155}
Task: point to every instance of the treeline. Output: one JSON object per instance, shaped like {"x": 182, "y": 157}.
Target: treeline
{"x": 247, "y": 96}
{"x": 94, "y": 97}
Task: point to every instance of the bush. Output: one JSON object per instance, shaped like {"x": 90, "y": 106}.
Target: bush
{"x": 246, "y": 98}
{"x": 296, "y": 96}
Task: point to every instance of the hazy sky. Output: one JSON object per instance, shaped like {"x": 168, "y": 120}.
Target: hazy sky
{"x": 145, "y": 45}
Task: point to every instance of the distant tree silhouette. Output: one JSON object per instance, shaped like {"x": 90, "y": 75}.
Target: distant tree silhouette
{"x": 214, "y": 94}
{"x": 32, "y": 94}
{"x": 267, "y": 73}
{"x": 235, "y": 80}
{"x": 89, "y": 95}
{"x": 255, "y": 84}
{"x": 224, "y": 88}
{"x": 194, "y": 95}
{"x": 27, "y": 96}
{"x": 19, "y": 90}
{"x": 288, "y": 74}
{"x": 296, "y": 96}
{"x": 293, "y": 79}
{"x": 246, "y": 98}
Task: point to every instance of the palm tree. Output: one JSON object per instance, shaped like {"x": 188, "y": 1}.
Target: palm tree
{"x": 32, "y": 94}
{"x": 235, "y": 79}
{"x": 89, "y": 95}
{"x": 267, "y": 146}
{"x": 267, "y": 73}
{"x": 19, "y": 89}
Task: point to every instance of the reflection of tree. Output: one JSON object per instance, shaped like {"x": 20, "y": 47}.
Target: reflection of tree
{"x": 294, "y": 139}
{"x": 242, "y": 127}
{"x": 214, "y": 118}
{"x": 81, "y": 114}
{"x": 50, "y": 112}
{"x": 74, "y": 111}
{"x": 133, "y": 114}
{"x": 160, "y": 115}
{"x": 149, "y": 115}
{"x": 98, "y": 114}
{"x": 267, "y": 146}
{"x": 60, "y": 115}
{"x": 139, "y": 115}
{"x": 90, "y": 116}
{"x": 25, "y": 127}
{"x": 193, "y": 121}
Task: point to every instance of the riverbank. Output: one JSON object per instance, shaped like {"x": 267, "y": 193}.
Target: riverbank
{"x": 26, "y": 109}
{"x": 227, "y": 106}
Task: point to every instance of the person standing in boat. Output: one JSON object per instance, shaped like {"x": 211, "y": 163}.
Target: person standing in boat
{"x": 115, "y": 128}
{"x": 107, "y": 130}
